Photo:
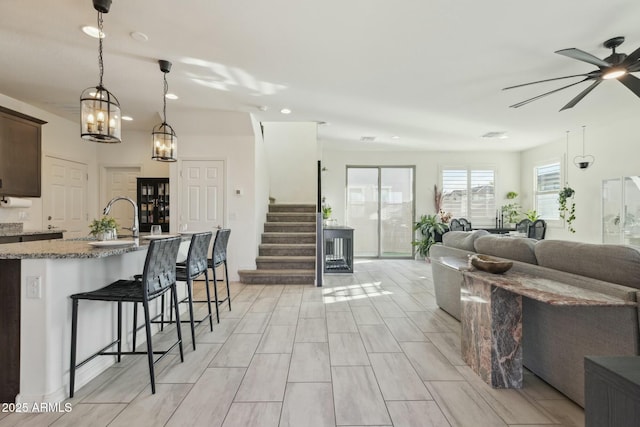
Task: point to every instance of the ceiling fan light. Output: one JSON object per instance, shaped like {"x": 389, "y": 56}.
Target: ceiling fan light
{"x": 614, "y": 73}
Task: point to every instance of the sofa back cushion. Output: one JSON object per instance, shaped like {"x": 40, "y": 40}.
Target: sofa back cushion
{"x": 611, "y": 263}
{"x": 514, "y": 248}
{"x": 462, "y": 239}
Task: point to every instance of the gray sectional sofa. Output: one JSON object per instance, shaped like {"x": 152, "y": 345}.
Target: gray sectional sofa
{"x": 556, "y": 338}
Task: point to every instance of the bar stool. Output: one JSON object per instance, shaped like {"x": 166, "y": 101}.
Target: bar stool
{"x": 218, "y": 258}
{"x": 158, "y": 277}
{"x": 194, "y": 267}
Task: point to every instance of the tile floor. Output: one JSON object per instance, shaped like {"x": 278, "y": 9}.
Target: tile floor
{"x": 369, "y": 349}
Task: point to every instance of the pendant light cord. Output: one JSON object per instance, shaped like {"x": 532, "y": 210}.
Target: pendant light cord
{"x": 583, "y": 137}
{"x": 164, "y": 99}
{"x": 100, "y": 37}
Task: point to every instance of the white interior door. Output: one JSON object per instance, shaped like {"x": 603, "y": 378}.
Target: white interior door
{"x": 121, "y": 181}
{"x": 64, "y": 200}
{"x": 202, "y": 195}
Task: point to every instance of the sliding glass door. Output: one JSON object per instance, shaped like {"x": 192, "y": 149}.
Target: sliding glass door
{"x": 380, "y": 208}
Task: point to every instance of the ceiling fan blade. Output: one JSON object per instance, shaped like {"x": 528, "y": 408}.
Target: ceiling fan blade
{"x": 632, "y": 58}
{"x": 581, "y": 95}
{"x": 631, "y": 82}
{"x": 583, "y": 56}
{"x": 547, "y": 80}
{"x": 520, "y": 104}
{"x": 634, "y": 67}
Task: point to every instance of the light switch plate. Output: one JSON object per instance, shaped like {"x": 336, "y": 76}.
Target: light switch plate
{"x": 34, "y": 287}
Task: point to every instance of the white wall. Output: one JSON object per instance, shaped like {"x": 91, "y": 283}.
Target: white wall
{"x": 60, "y": 138}
{"x": 291, "y": 151}
{"x": 135, "y": 150}
{"x": 428, "y": 165}
{"x": 616, "y": 148}
{"x": 236, "y": 147}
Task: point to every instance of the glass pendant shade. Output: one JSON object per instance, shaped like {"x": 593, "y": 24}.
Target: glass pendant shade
{"x": 100, "y": 116}
{"x": 165, "y": 143}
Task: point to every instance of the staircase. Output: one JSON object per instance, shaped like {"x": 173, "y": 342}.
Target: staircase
{"x": 287, "y": 254}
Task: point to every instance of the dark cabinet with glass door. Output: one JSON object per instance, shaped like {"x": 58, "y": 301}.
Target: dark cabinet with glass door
{"x": 153, "y": 203}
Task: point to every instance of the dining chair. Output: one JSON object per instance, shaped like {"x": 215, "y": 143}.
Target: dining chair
{"x": 456, "y": 225}
{"x": 524, "y": 226}
{"x": 538, "y": 229}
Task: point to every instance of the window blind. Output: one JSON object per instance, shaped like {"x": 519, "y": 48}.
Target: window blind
{"x": 547, "y": 187}
{"x": 470, "y": 193}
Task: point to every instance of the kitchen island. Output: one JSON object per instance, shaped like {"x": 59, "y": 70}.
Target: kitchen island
{"x": 36, "y": 280}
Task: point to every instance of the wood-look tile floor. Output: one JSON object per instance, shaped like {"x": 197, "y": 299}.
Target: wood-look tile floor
{"x": 369, "y": 348}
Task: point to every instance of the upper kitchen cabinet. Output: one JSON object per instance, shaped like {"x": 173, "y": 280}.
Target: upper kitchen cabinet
{"x": 153, "y": 203}
{"x": 20, "y": 154}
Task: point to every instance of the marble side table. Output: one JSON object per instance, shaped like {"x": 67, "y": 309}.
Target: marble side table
{"x": 492, "y": 332}
{"x": 491, "y": 318}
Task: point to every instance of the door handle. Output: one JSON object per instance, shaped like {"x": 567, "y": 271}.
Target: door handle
{"x": 49, "y": 227}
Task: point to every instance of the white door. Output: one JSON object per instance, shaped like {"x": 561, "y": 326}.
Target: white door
{"x": 202, "y": 195}
{"x": 64, "y": 201}
{"x": 120, "y": 181}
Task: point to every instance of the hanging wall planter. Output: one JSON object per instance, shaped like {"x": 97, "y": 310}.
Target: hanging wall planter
{"x": 567, "y": 212}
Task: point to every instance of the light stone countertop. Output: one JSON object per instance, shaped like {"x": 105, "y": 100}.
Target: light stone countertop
{"x": 10, "y": 232}
{"x": 66, "y": 249}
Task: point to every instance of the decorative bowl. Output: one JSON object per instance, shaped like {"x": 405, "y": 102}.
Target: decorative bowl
{"x": 490, "y": 264}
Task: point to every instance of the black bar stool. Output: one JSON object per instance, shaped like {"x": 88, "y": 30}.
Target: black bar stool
{"x": 194, "y": 267}
{"x": 158, "y": 277}
{"x": 218, "y": 258}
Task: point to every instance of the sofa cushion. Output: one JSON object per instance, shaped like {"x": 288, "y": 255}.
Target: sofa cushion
{"x": 514, "y": 248}
{"x": 611, "y": 263}
{"x": 462, "y": 239}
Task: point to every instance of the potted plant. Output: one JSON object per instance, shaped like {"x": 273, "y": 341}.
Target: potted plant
{"x": 104, "y": 228}
{"x": 326, "y": 212}
{"x": 568, "y": 213}
{"x": 511, "y": 210}
{"x": 428, "y": 227}
{"x": 532, "y": 215}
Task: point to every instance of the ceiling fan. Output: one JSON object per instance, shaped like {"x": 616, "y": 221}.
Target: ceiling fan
{"x": 617, "y": 66}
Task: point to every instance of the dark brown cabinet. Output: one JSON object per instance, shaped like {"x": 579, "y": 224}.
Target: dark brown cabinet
{"x": 30, "y": 237}
{"x": 153, "y": 203}
{"x": 20, "y": 154}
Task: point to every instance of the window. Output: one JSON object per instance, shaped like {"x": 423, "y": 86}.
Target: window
{"x": 470, "y": 193}
{"x": 547, "y": 187}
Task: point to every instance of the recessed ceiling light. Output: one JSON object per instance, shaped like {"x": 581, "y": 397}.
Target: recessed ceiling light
{"x": 127, "y": 118}
{"x": 263, "y": 108}
{"x": 171, "y": 96}
{"x": 141, "y": 37}
{"x": 367, "y": 138}
{"x": 395, "y": 137}
{"x": 93, "y": 32}
{"x": 285, "y": 111}
{"x": 498, "y": 135}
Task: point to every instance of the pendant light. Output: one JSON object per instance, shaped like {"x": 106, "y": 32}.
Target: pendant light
{"x": 586, "y": 160}
{"x": 99, "y": 108}
{"x": 165, "y": 140}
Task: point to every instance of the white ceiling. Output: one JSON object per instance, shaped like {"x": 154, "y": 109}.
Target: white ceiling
{"x": 428, "y": 71}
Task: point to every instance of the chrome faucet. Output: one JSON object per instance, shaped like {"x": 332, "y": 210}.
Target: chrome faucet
{"x": 135, "y": 229}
